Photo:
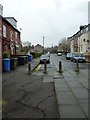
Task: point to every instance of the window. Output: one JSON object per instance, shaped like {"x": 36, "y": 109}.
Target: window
{"x": 4, "y": 31}
{"x": 11, "y": 34}
{"x": 16, "y": 35}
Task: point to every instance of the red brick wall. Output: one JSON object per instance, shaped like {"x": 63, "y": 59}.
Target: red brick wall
{"x": 7, "y": 41}
{"x": 75, "y": 44}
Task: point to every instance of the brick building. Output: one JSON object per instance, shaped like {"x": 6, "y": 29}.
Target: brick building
{"x": 9, "y": 35}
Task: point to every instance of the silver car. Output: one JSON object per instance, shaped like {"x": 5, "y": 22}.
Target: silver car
{"x": 78, "y": 57}
{"x": 44, "y": 58}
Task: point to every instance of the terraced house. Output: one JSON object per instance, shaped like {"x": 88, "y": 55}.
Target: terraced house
{"x": 80, "y": 42}
{"x": 9, "y": 35}
{"x": 84, "y": 40}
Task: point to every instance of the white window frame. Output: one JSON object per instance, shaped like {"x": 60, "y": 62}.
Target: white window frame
{"x": 16, "y": 35}
{"x": 11, "y": 35}
{"x": 4, "y": 31}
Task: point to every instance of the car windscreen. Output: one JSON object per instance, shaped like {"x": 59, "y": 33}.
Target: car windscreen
{"x": 44, "y": 56}
{"x": 78, "y": 55}
{"x": 69, "y": 54}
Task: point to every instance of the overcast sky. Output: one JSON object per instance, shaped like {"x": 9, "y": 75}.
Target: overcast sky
{"x": 53, "y": 19}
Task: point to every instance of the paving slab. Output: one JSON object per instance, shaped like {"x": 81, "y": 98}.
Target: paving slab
{"x": 80, "y": 93}
{"x": 85, "y": 109}
{"x": 84, "y": 100}
{"x": 69, "y": 78}
{"x": 59, "y": 81}
{"x": 71, "y": 111}
{"x": 73, "y": 84}
{"x": 62, "y": 88}
{"x": 66, "y": 98}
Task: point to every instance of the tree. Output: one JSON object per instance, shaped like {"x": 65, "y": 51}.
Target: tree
{"x": 64, "y": 45}
{"x": 26, "y": 47}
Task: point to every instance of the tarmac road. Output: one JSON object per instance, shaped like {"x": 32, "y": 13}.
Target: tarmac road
{"x": 28, "y": 96}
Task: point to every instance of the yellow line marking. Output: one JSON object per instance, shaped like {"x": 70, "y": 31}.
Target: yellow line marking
{"x": 38, "y": 67}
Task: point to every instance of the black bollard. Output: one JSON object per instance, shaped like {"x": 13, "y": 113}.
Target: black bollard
{"x": 45, "y": 67}
{"x": 29, "y": 68}
{"x": 77, "y": 66}
{"x": 60, "y": 67}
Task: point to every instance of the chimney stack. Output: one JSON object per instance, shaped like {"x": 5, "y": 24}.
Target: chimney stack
{"x": 81, "y": 27}
{"x": 1, "y": 10}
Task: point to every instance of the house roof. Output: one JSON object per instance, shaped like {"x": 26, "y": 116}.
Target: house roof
{"x": 38, "y": 45}
{"x": 10, "y": 18}
{"x": 77, "y": 33}
{"x": 4, "y": 19}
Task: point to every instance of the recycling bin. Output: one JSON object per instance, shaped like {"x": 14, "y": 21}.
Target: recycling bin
{"x": 30, "y": 57}
{"x": 13, "y": 63}
{"x": 6, "y": 62}
{"x": 26, "y": 58}
{"x": 21, "y": 60}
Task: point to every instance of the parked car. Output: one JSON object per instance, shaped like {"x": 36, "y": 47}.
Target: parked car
{"x": 59, "y": 54}
{"x": 69, "y": 56}
{"x": 78, "y": 57}
{"x": 44, "y": 58}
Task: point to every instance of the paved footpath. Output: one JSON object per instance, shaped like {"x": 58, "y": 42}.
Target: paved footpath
{"x": 72, "y": 93}
{"x": 27, "y": 96}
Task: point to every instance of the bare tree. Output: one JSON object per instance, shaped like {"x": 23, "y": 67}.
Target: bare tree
{"x": 64, "y": 45}
{"x": 26, "y": 46}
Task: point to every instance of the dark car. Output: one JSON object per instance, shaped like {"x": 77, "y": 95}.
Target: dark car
{"x": 78, "y": 57}
{"x": 44, "y": 58}
{"x": 69, "y": 56}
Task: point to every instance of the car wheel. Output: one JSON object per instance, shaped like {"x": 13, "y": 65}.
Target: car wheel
{"x": 71, "y": 60}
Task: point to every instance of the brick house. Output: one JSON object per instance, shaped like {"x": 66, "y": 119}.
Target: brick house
{"x": 80, "y": 42}
{"x": 84, "y": 42}
{"x": 38, "y": 48}
{"x": 10, "y": 37}
{"x": 75, "y": 40}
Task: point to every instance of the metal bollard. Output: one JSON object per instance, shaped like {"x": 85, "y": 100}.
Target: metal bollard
{"x": 45, "y": 67}
{"x": 77, "y": 66}
{"x": 60, "y": 67}
{"x": 29, "y": 68}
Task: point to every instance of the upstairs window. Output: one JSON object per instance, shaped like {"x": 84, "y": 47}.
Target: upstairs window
{"x": 11, "y": 35}
{"x": 4, "y": 31}
{"x": 16, "y": 35}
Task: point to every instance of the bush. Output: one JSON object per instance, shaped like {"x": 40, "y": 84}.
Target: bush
{"x": 6, "y": 55}
{"x": 35, "y": 55}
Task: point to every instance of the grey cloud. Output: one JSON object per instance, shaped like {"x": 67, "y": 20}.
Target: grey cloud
{"x": 49, "y": 20}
